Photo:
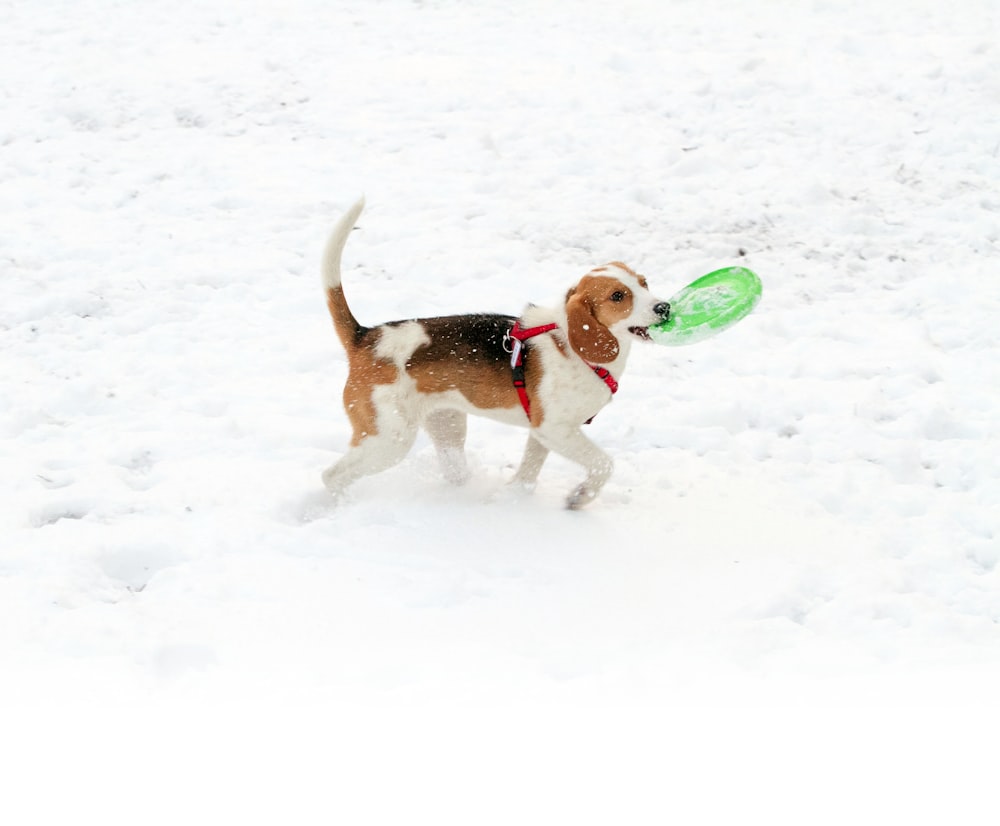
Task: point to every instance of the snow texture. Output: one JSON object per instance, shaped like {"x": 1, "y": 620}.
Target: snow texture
{"x": 804, "y": 507}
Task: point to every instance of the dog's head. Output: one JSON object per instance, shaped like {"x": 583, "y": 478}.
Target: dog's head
{"x": 609, "y": 304}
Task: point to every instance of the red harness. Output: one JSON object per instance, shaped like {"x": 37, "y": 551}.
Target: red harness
{"x": 519, "y": 336}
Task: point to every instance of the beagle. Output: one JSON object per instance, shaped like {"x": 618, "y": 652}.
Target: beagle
{"x": 551, "y": 370}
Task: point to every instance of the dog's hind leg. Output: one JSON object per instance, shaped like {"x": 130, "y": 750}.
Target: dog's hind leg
{"x": 447, "y": 429}
{"x": 371, "y": 453}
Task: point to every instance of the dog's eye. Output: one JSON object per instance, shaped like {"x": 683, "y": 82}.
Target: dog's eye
{"x": 617, "y": 296}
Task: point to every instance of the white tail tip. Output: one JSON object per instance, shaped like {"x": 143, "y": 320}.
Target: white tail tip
{"x": 335, "y": 245}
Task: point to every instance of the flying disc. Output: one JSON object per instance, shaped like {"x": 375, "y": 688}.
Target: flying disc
{"x": 708, "y": 306}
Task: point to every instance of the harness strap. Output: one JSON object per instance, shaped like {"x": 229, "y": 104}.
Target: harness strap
{"x": 523, "y": 334}
{"x": 519, "y": 335}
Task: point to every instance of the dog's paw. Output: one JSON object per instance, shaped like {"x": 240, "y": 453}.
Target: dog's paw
{"x": 581, "y": 497}
{"x": 456, "y": 475}
{"x": 522, "y": 485}
{"x": 454, "y": 467}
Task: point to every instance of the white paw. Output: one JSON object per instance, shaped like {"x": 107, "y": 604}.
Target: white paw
{"x": 521, "y": 484}
{"x": 454, "y": 468}
{"x": 580, "y": 497}
{"x": 457, "y": 475}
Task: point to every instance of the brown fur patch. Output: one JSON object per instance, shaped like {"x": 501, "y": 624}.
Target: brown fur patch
{"x": 365, "y": 372}
{"x": 482, "y": 387}
{"x": 344, "y": 322}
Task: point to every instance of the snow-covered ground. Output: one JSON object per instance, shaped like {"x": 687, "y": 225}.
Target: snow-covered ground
{"x": 804, "y": 509}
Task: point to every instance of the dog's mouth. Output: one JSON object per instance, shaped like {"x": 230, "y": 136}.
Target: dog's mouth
{"x": 662, "y": 313}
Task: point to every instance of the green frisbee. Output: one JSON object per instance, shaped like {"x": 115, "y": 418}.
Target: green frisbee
{"x": 708, "y": 306}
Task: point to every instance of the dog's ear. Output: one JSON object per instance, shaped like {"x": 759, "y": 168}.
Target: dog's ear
{"x": 592, "y": 340}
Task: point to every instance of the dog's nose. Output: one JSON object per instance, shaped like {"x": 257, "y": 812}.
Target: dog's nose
{"x": 662, "y": 310}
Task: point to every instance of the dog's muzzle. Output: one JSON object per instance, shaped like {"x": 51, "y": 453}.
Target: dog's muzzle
{"x": 662, "y": 310}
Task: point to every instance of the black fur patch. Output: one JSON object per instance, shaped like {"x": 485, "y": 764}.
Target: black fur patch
{"x": 470, "y": 339}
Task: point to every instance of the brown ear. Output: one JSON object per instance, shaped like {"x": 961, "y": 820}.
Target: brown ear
{"x": 592, "y": 340}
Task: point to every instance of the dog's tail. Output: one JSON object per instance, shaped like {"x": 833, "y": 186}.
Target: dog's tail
{"x": 343, "y": 319}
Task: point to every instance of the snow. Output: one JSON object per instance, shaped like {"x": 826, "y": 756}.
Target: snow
{"x": 804, "y": 510}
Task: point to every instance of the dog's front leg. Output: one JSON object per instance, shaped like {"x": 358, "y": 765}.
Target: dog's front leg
{"x": 535, "y": 454}
{"x": 571, "y": 443}
{"x": 447, "y": 429}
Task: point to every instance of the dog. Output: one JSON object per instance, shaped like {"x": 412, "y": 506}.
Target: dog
{"x": 551, "y": 371}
